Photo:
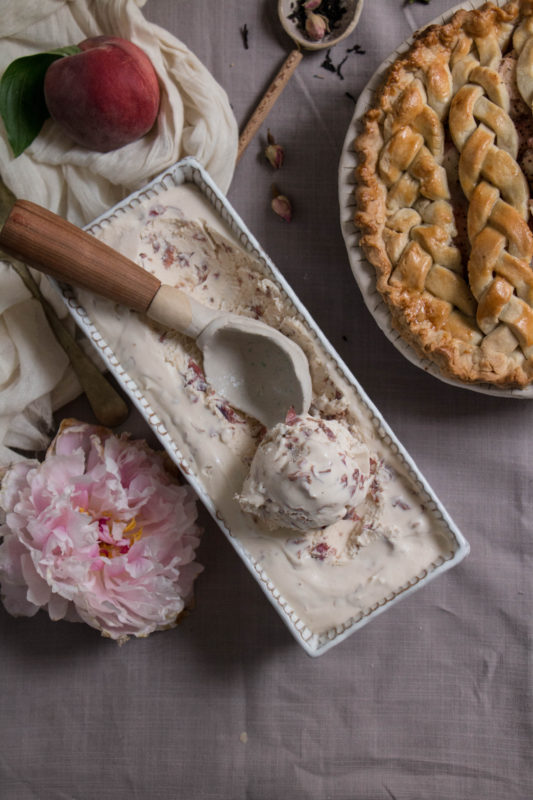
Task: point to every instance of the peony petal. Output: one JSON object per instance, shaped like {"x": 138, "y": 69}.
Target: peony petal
{"x": 38, "y": 589}
{"x": 14, "y": 482}
{"x": 16, "y": 603}
{"x": 57, "y": 607}
{"x": 14, "y": 587}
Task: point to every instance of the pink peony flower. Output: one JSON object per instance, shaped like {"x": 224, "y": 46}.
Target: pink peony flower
{"x": 98, "y": 532}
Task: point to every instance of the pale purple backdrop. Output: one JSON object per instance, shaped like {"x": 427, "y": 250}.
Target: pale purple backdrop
{"x": 430, "y": 700}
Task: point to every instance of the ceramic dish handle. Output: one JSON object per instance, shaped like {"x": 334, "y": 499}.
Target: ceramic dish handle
{"x": 60, "y": 249}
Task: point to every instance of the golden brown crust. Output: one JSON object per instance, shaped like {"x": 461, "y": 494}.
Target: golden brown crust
{"x": 467, "y": 306}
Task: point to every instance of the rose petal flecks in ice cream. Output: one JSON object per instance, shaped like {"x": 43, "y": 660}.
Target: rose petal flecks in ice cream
{"x": 307, "y": 473}
{"x": 384, "y": 535}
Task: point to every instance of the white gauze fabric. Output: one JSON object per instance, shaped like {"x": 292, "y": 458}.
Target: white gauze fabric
{"x": 195, "y": 119}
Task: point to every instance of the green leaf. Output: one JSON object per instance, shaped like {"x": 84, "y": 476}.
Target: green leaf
{"x": 22, "y": 104}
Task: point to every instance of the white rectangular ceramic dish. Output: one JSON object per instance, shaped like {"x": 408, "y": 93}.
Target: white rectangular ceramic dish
{"x": 323, "y": 588}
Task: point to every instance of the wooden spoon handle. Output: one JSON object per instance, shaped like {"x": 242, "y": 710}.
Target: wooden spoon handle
{"x": 268, "y": 100}
{"x": 54, "y": 246}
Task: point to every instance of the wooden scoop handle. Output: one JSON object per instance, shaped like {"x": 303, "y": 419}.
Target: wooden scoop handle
{"x": 60, "y": 249}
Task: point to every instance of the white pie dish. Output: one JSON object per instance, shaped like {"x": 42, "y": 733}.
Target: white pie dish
{"x": 363, "y": 271}
{"x": 313, "y": 642}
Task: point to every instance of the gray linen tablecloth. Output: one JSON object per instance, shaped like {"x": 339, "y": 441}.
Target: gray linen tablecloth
{"x": 430, "y": 700}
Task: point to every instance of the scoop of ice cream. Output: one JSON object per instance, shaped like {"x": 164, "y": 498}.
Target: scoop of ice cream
{"x": 307, "y": 473}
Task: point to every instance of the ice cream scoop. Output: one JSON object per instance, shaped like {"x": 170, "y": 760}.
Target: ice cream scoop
{"x": 307, "y": 473}
{"x": 253, "y": 366}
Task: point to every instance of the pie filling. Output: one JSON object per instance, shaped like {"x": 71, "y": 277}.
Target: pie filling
{"x": 443, "y": 196}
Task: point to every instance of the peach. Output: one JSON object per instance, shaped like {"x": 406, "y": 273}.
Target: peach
{"x": 104, "y": 97}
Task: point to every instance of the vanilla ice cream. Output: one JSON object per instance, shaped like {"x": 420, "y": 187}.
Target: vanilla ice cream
{"x": 385, "y": 530}
{"x": 307, "y": 473}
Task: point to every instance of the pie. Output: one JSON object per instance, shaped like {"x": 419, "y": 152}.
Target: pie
{"x": 443, "y": 194}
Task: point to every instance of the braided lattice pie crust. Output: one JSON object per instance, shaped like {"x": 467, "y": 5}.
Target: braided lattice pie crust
{"x": 443, "y": 197}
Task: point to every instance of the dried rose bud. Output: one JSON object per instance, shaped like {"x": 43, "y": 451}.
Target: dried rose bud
{"x": 316, "y": 26}
{"x": 281, "y": 205}
{"x": 274, "y": 152}
{"x": 311, "y": 5}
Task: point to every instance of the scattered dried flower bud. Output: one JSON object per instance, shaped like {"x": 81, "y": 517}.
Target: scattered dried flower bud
{"x": 274, "y": 152}
{"x": 316, "y": 26}
{"x": 281, "y": 205}
{"x": 311, "y": 5}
